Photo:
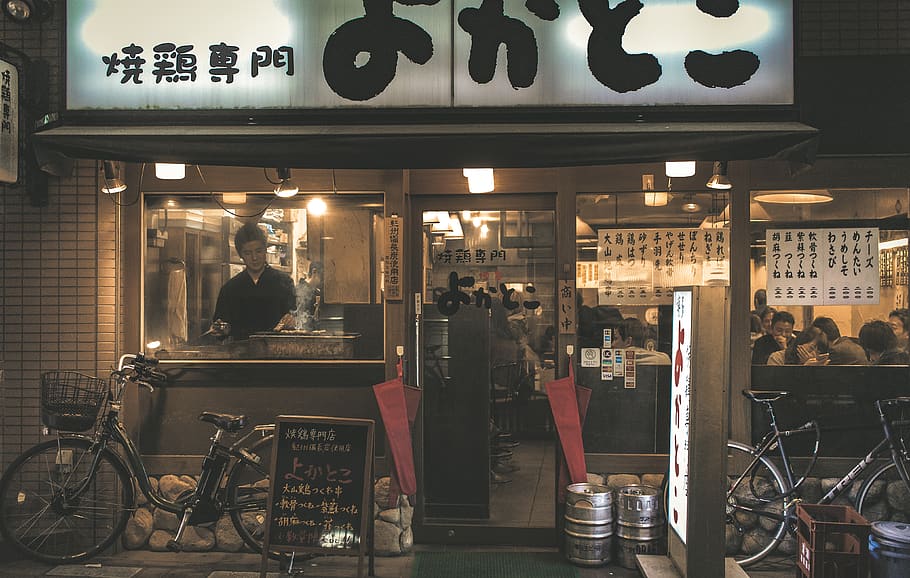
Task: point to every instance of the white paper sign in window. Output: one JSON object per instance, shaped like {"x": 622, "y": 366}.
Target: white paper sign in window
{"x": 823, "y": 266}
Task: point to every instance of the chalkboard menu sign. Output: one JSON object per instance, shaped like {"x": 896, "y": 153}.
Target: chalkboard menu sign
{"x": 321, "y": 479}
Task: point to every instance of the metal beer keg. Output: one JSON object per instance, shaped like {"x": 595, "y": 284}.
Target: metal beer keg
{"x": 589, "y": 524}
{"x": 641, "y": 527}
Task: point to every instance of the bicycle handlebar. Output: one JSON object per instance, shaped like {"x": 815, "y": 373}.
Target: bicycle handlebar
{"x": 140, "y": 369}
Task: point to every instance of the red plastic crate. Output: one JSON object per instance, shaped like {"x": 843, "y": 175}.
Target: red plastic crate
{"x": 833, "y": 542}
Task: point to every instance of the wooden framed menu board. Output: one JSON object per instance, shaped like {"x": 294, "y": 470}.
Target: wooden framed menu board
{"x": 320, "y": 491}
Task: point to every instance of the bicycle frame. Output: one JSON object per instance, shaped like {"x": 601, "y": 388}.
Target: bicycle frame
{"x": 219, "y": 457}
{"x": 773, "y": 438}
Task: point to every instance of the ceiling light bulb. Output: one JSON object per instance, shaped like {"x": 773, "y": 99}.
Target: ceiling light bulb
{"x": 680, "y": 168}
{"x": 719, "y": 179}
{"x": 466, "y": 215}
{"x": 316, "y": 207}
{"x": 479, "y": 180}
{"x": 477, "y": 221}
{"x": 794, "y": 197}
{"x": 286, "y": 188}
{"x": 170, "y": 171}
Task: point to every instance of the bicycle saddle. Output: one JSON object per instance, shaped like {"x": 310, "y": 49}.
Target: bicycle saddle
{"x": 765, "y": 396}
{"x": 229, "y": 423}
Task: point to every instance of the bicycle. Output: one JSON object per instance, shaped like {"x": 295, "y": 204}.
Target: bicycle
{"x": 69, "y": 498}
{"x": 764, "y": 495}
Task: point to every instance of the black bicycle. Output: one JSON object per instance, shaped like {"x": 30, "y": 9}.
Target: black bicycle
{"x": 765, "y": 495}
{"x": 69, "y": 498}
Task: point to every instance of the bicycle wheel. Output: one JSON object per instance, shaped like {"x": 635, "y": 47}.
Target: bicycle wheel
{"x": 884, "y": 496}
{"x": 756, "y": 511}
{"x": 247, "y": 494}
{"x": 43, "y": 517}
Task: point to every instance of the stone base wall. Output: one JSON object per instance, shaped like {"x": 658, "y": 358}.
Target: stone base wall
{"x": 150, "y": 528}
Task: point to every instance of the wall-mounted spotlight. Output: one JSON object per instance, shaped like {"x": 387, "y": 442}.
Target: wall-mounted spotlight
{"x": 286, "y": 188}
{"x": 113, "y": 181}
{"x": 719, "y": 179}
{"x": 25, "y": 10}
{"x": 170, "y": 171}
{"x": 479, "y": 180}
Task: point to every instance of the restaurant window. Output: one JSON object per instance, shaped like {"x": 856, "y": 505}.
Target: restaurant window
{"x": 322, "y": 268}
{"x": 836, "y": 268}
{"x": 632, "y": 251}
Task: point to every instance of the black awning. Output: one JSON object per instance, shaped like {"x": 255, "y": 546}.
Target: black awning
{"x": 434, "y": 146}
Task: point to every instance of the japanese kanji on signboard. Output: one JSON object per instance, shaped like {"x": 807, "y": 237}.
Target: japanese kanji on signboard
{"x": 642, "y": 266}
{"x": 823, "y": 266}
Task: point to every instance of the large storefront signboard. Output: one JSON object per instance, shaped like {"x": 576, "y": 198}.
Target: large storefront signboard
{"x": 680, "y": 395}
{"x": 642, "y": 266}
{"x": 299, "y": 54}
{"x": 9, "y": 123}
{"x": 823, "y": 266}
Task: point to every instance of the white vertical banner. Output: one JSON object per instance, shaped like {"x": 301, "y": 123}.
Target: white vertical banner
{"x": 9, "y": 123}
{"x": 680, "y": 391}
{"x": 392, "y": 265}
{"x": 823, "y": 266}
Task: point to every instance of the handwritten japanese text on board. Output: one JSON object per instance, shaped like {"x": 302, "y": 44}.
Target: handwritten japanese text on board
{"x": 823, "y": 266}
{"x": 318, "y": 484}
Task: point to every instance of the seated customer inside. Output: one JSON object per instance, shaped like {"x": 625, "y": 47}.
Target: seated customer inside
{"x": 881, "y": 345}
{"x": 780, "y": 337}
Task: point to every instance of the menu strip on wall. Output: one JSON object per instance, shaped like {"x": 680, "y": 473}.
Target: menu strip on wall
{"x": 642, "y": 266}
{"x": 319, "y": 495}
{"x": 823, "y": 266}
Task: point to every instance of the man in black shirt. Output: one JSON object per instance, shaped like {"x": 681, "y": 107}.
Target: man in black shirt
{"x": 259, "y": 298}
{"x": 779, "y": 338}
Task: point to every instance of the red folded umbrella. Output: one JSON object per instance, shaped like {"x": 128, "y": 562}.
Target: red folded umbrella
{"x": 583, "y": 397}
{"x": 393, "y": 407}
{"x": 565, "y": 398}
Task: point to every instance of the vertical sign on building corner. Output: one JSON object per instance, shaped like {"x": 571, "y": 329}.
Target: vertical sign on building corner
{"x": 678, "y": 506}
{"x": 9, "y": 123}
{"x": 392, "y": 281}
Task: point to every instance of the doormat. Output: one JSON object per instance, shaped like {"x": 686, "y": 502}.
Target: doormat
{"x": 492, "y": 565}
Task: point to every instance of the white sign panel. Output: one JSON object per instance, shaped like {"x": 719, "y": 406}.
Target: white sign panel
{"x": 9, "y": 123}
{"x": 288, "y": 54}
{"x": 823, "y": 266}
{"x": 642, "y": 266}
{"x": 680, "y": 394}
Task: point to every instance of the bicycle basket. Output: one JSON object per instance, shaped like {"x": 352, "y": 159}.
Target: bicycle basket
{"x": 70, "y": 401}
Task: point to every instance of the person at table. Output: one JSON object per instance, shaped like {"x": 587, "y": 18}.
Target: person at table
{"x": 880, "y": 343}
{"x": 259, "y": 298}
{"x": 780, "y": 337}
{"x": 842, "y": 350}
{"x": 630, "y": 335}
{"x": 899, "y": 320}
{"x": 810, "y": 347}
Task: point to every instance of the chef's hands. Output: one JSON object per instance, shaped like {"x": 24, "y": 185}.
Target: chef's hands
{"x": 220, "y": 328}
{"x": 286, "y": 322}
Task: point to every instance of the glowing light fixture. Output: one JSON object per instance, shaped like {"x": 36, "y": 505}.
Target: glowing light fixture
{"x": 893, "y": 244}
{"x": 286, "y": 188}
{"x": 113, "y": 182}
{"x": 794, "y": 197}
{"x": 479, "y": 180}
{"x": 719, "y": 179}
{"x": 25, "y": 10}
{"x": 679, "y": 168}
{"x": 690, "y": 206}
{"x": 316, "y": 207}
{"x": 653, "y": 198}
{"x": 170, "y": 171}
{"x": 233, "y": 198}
